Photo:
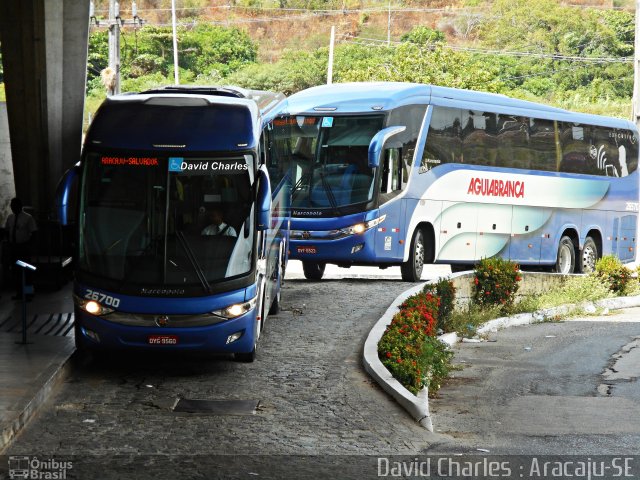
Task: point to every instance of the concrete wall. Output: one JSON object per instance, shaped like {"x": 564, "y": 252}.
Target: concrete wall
{"x": 7, "y": 186}
{"x": 532, "y": 283}
{"x": 44, "y": 52}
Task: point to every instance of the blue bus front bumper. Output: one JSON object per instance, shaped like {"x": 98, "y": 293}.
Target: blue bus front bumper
{"x": 357, "y": 249}
{"x": 99, "y": 333}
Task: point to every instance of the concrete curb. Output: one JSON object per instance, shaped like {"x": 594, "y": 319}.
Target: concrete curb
{"x": 418, "y": 405}
{"x": 54, "y": 375}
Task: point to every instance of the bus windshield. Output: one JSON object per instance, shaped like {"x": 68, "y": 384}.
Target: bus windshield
{"x": 328, "y": 158}
{"x": 179, "y": 222}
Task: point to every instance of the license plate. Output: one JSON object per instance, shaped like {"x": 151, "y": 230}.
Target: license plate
{"x": 162, "y": 340}
{"x": 308, "y": 250}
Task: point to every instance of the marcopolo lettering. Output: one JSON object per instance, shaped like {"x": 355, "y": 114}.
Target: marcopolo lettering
{"x": 496, "y": 188}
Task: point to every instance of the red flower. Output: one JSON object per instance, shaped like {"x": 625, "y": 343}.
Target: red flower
{"x": 476, "y": 280}
{"x": 388, "y": 354}
{"x": 399, "y": 360}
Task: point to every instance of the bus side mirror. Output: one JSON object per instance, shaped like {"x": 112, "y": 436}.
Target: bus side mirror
{"x": 378, "y": 141}
{"x": 263, "y": 200}
{"x": 63, "y": 193}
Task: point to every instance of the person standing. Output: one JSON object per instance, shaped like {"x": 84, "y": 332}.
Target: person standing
{"x": 21, "y": 229}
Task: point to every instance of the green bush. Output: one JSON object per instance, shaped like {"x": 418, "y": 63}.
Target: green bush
{"x": 446, "y": 292}
{"x": 613, "y": 273}
{"x": 402, "y": 346}
{"x": 496, "y": 282}
{"x": 437, "y": 355}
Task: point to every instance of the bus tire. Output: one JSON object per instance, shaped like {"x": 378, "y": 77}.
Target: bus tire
{"x": 313, "y": 270}
{"x": 566, "y": 259}
{"x": 589, "y": 256}
{"x": 412, "y": 269}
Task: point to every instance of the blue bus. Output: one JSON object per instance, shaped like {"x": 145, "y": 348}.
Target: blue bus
{"x": 182, "y": 234}
{"x": 406, "y": 174}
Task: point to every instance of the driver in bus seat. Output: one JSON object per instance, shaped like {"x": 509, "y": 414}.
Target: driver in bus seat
{"x": 217, "y": 226}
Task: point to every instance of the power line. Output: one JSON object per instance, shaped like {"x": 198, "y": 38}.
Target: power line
{"x": 483, "y": 51}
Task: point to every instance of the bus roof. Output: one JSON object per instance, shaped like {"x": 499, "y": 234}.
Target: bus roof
{"x": 368, "y": 97}
{"x": 213, "y": 118}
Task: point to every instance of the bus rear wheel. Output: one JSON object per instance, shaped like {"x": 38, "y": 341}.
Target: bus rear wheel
{"x": 589, "y": 256}
{"x": 412, "y": 269}
{"x": 566, "y": 259}
{"x": 313, "y": 270}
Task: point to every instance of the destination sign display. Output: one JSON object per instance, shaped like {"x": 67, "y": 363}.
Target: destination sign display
{"x": 130, "y": 161}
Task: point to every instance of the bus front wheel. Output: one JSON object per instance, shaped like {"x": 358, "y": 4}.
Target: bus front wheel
{"x": 412, "y": 269}
{"x": 566, "y": 259}
{"x": 589, "y": 256}
{"x": 313, "y": 270}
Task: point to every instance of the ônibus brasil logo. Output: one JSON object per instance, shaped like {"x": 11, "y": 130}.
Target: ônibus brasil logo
{"x": 34, "y": 468}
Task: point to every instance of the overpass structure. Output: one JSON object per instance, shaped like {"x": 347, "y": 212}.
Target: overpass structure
{"x": 44, "y": 54}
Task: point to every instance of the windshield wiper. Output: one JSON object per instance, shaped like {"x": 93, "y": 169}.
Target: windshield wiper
{"x": 332, "y": 199}
{"x": 194, "y": 262}
{"x": 297, "y": 188}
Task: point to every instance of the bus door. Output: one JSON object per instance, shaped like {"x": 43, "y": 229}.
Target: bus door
{"x": 526, "y": 238}
{"x": 390, "y": 232}
{"x": 392, "y": 229}
{"x": 458, "y": 224}
{"x": 494, "y": 230}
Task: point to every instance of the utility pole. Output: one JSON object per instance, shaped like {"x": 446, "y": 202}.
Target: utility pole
{"x": 636, "y": 69}
{"x": 330, "y": 68}
{"x": 175, "y": 42}
{"x": 114, "y": 46}
{"x": 389, "y": 25}
{"x": 111, "y": 74}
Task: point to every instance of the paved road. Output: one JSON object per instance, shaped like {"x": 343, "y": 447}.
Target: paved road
{"x": 537, "y": 389}
{"x": 315, "y": 397}
{"x": 553, "y": 388}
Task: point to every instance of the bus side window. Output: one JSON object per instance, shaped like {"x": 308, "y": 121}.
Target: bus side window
{"x": 411, "y": 117}
{"x": 444, "y": 144}
{"x": 479, "y": 137}
{"x": 392, "y": 171}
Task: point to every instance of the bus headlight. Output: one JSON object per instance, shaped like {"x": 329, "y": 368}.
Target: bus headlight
{"x": 92, "y": 307}
{"x": 359, "y": 228}
{"x": 237, "y": 309}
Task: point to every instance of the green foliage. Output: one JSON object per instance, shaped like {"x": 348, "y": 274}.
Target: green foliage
{"x": 575, "y": 290}
{"x": 613, "y": 273}
{"x": 437, "y": 356}
{"x": 403, "y": 348}
{"x": 205, "y": 52}
{"x": 423, "y": 35}
{"x": 496, "y": 282}
{"x": 446, "y": 293}
{"x": 466, "y": 322}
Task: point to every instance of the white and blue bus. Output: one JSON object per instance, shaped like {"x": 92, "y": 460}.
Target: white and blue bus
{"x": 405, "y": 174}
{"x": 181, "y": 244}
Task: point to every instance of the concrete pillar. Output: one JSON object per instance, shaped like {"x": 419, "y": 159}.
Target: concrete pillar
{"x": 7, "y": 187}
{"x": 44, "y": 50}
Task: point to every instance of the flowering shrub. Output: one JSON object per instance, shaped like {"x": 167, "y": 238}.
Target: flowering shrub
{"x": 496, "y": 282}
{"x": 408, "y": 348}
{"x": 446, "y": 292}
{"x": 613, "y": 273}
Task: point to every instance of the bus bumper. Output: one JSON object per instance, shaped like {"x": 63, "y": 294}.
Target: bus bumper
{"x": 98, "y": 333}
{"x": 356, "y": 249}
